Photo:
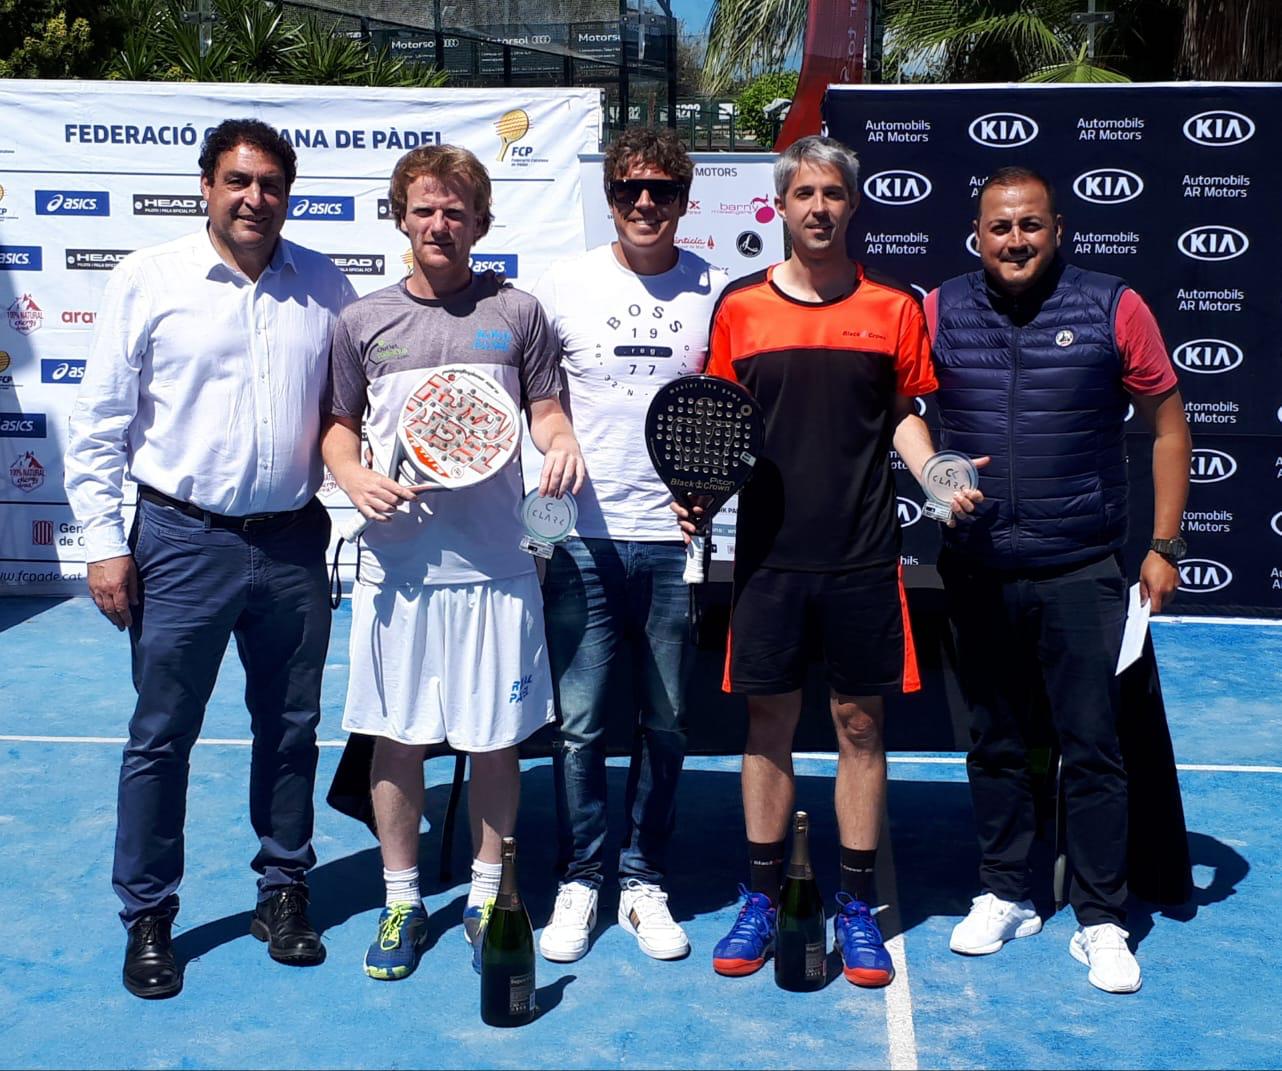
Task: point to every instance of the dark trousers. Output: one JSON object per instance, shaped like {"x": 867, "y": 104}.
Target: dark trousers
{"x": 200, "y": 585}
{"x": 1029, "y": 643}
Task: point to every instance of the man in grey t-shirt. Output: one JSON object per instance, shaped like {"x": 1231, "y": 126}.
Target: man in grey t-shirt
{"x": 447, "y": 629}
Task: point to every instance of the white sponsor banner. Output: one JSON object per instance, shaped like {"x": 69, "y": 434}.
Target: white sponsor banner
{"x": 90, "y": 171}
{"x": 731, "y": 222}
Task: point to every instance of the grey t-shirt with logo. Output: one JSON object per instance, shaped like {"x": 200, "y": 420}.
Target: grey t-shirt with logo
{"x": 383, "y": 343}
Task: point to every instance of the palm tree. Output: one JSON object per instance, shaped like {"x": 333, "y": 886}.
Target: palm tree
{"x": 1227, "y": 40}
{"x": 748, "y": 37}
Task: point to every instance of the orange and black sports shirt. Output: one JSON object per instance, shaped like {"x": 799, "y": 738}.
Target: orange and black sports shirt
{"x": 822, "y": 496}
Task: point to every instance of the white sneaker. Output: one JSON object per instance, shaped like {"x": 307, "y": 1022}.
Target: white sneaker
{"x": 643, "y": 912}
{"x": 1104, "y": 950}
{"x": 565, "y": 938}
{"x": 991, "y": 923}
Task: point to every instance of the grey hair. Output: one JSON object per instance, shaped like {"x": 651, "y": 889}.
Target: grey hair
{"x": 817, "y": 150}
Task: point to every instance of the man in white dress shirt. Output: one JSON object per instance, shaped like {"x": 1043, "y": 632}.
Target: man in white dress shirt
{"x": 204, "y": 384}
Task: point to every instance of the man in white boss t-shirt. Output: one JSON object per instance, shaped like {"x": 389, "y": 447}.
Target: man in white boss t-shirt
{"x": 631, "y": 316}
{"x": 447, "y": 630}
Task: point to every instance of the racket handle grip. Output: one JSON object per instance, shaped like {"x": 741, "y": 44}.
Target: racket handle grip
{"x": 355, "y": 525}
{"x": 694, "y": 571}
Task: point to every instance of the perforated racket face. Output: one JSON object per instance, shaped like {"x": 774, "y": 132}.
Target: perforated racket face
{"x": 459, "y": 426}
{"x": 704, "y": 435}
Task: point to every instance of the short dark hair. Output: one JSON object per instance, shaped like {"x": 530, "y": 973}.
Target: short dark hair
{"x": 232, "y": 132}
{"x": 1014, "y": 175}
{"x": 657, "y": 146}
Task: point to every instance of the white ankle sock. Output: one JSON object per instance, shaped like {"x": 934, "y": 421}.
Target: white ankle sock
{"x": 402, "y": 886}
{"x": 485, "y": 882}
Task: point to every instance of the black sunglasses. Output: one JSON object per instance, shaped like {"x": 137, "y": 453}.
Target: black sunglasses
{"x": 663, "y": 192}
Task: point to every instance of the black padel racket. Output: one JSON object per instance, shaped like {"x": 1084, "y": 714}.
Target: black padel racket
{"x": 457, "y": 427}
{"x": 704, "y": 435}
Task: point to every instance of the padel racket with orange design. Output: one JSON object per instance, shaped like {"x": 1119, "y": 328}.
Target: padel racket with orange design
{"x": 704, "y": 435}
{"x": 457, "y": 427}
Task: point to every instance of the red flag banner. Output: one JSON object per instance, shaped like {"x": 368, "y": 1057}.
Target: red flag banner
{"x": 834, "y": 53}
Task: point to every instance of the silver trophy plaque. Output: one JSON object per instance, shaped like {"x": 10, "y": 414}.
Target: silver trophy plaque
{"x": 547, "y": 521}
{"x": 943, "y": 475}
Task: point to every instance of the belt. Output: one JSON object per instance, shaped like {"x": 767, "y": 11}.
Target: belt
{"x": 213, "y": 520}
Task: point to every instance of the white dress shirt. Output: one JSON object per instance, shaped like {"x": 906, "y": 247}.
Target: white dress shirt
{"x": 204, "y": 384}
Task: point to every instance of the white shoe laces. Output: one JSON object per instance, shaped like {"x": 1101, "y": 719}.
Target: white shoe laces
{"x": 573, "y": 905}
{"x": 1107, "y": 937}
{"x": 651, "y": 905}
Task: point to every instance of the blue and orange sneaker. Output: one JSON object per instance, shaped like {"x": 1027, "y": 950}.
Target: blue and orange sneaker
{"x": 402, "y": 936}
{"x": 475, "y": 919}
{"x": 751, "y": 939}
{"x": 864, "y": 958}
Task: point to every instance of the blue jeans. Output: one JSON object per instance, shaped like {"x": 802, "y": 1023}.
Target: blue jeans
{"x": 617, "y": 615}
{"x": 199, "y": 586}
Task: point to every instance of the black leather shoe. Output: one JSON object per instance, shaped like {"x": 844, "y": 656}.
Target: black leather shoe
{"x": 281, "y": 921}
{"x": 151, "y": 971}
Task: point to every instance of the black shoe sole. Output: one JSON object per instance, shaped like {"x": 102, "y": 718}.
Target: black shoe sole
{"x": 154, "y": 992}
{"x": 294, "y": 958}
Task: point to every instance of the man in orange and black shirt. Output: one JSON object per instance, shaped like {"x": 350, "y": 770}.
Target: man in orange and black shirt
{"x": 834, "y": 355}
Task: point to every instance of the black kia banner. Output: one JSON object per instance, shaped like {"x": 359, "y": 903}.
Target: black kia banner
{"x": 1168, "y": 186}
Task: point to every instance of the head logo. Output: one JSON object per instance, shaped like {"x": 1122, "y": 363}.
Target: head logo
{"x": 1210, "y": 466}
{"x": 167, "y": 204}
{"x": 1003, "y": 130}
{"x": 42, "y": 533}
{"x": 1218, "y": 129}
{"x": 908, "y": 511}
{"x": 897, "y": 187}
{"x": 1276, "y": 523}
{"x": 358, "y": 263}
{"x": 972, "y": 244}
{"x": 1064, "y": 338}
{"x": 1213, "y": 242}
{"x": 1108, "y": 186}
{"x": 25, "y": 315}
{"x": 322, "y": 208}
{"x": 511, "y": 127}
{"x": 95, "y": 259}
{"x": 1207, "y": 356}
{"x": 1202, "y": 575}
{"x": 749, "y": 244}
{"x": 26, "y": 473}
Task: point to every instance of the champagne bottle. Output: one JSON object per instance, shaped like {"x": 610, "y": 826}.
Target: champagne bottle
{"x": 507, "y": 953}
{"x": 801, "y": 953}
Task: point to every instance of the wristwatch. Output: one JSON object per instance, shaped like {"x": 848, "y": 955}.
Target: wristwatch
{"x": 1170, "y": 549}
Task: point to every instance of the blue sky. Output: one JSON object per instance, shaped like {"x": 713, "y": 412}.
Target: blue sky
{"x": 694, "y": 13}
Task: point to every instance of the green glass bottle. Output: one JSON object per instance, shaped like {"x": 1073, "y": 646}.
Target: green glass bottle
{"x": 507, "y": 953}
{"x": 801, "y": 952}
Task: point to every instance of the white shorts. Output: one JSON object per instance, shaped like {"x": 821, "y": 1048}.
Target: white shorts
{"x": 463, "y": 663}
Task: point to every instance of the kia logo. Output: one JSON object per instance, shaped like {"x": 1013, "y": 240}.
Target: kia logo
{"x": 1108, "y": 186}
{"x": 1003, "y": 130}
{"x": 1210, "y": 466}
{"x": 1207, "y": 356}
{"x": 1276, "y": 523}
{"x": 908, "y": 511}
{"x": 897, "y": 187}
{"x": 919, "y": 403}
{"x": 1218, "y": 129}
{"x": 1203, "y": 575}
{"x": 1213, "y": 242}
{"x": 972, "y": 244}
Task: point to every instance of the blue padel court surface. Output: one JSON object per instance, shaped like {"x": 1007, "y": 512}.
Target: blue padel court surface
{"x": 1211, "y": 994}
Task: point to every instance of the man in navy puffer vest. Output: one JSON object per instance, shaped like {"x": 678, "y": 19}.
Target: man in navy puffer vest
{"x": 1037, "y": 361}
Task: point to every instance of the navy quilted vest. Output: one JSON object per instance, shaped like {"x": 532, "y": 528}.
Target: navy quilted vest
{"x": 1037, "y": 385}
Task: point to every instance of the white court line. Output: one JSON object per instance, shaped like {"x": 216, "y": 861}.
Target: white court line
{"x": 901, "y": 1033}
{"x": 820, "y": 756}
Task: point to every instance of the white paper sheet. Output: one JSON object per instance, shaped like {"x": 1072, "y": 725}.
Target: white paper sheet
{"x": 1136, "y": 628}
